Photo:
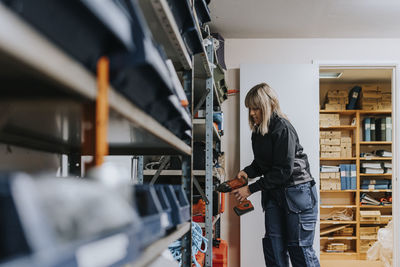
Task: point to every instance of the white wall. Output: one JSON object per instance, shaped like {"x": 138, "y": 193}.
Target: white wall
{"x": 295, "y": 85}
{"x": 286, "y": 51}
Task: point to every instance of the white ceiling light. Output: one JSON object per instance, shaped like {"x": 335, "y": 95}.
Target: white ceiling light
{"x": 330, "y": 75}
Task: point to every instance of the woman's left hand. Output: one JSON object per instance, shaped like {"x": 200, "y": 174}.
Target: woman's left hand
{"x": 242, "y": 193}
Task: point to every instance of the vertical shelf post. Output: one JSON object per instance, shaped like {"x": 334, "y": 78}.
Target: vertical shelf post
{"x": 102, "y": 111}
{"x": 187, "y": 176}
{"x": 209, "y": 159}
{"x": 358, "y": 164}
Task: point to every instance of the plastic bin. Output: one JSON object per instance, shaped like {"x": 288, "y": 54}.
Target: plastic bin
{"x": 220, "y": 253}
{"x": 179, "y": 204}
{"x": 184, "y": 18}
{"x": 32, "y": 235}
{"x": 202, "y": 11}
{"x": 86, "y": 29}
{"x": 166, "y": 206}
{"x": 150, "y": 211}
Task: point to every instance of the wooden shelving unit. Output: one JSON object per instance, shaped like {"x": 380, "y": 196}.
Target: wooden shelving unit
{"x": 342, "y": 197}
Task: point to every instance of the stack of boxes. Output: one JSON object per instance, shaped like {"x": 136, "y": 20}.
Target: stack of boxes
{"x": 330, "y": 144}
{"x": 368, "y": 236}
{"x": 374, "y": 98}
{"x": 336, "y": 100}
{"x": 329, "y": 120}
{"x": 345, "y": 147}
{"x": 330, "y": 180}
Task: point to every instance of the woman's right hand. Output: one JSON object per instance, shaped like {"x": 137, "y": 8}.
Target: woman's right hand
{"x": 242, "y": 174}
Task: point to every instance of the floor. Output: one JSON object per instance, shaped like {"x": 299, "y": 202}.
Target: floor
{"x": 350, "y": 263}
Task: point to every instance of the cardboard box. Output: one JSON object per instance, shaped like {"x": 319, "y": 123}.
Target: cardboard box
{"x": 346, "y": 153}
{"x": 332, "y": 134}
{"x": 329, "y": 116}
{"x": 330, "y": 155}
{"x": 330, "y": 141}
{"x": 330, "y": 148}
{"x": 345, "y": 140}
{"x": 338, "y": 100}
{"x": 335, "y": 106}
{"x": 365, "y": 245}
{"x": 348, "y": 231}
{"x": 337, "y": 93}
{"x": 329, "y": 175}
{"x": 370, "y": 87}
{"x": 329, "y": 123}
{"x": 370, "y": 216}
{"x": 371, "y": 94}
{"x": 336, "y": 247}
{"x": 330, "y": 184}
{"x": 386, "y": 218}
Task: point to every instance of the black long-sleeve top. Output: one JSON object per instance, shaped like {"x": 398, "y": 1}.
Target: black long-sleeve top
{"x": 278, "y": 157}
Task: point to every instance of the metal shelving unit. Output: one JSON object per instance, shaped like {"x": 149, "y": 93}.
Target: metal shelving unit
{"x": 48, "y": 117}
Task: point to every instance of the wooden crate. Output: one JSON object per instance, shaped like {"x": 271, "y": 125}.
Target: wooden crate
{"x": 370, "y": 216}
{"x": 336, "y": 247}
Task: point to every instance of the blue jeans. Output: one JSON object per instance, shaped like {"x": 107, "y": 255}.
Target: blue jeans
{"x": 290, "y": 218}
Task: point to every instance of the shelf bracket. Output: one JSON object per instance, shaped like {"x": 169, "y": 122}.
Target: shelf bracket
{"x": 201, "y": 191}
{"x": 164, "y": 162}
{"x": 201, "y": 101}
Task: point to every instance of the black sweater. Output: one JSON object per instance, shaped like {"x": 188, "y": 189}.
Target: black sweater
{"x": 278, "y": 157}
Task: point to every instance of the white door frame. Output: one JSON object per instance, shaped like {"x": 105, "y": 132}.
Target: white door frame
{"x": 396, "y": 130}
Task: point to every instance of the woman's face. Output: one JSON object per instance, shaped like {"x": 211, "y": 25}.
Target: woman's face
{"x": 256, "y": 115}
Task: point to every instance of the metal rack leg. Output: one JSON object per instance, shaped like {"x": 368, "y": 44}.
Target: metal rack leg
{"x": 187, "y": 184}
{"x": 209, "y": 161}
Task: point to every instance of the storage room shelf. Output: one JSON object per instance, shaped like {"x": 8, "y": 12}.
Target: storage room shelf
{"x": 338, "y": 238}
{"x": 375, "y": 111}
{"x": 379, "y": 174}
{"x": 375, "y": 190}
{"x": 215, "y": 219}
{"x": 337, "y": 222}
{"x": 342, "y": 112}
{"x": 376, "y": 207}
{"x": 199, "y": 130}
{"x": 375, "y": 143}
{"x": 348, "y": 253}
{"x": 342, "y": 127}
{"x": 337, "y": 159}
{"x": 337, "y": 206}
{"x": 58, "y": 76}
{"x": 376, "y": 158}
{"x": 166, "y": 31}
{"x": 338, "y": 191}
{"x": 154, "y": 250}
{"x": 375, "y": 223}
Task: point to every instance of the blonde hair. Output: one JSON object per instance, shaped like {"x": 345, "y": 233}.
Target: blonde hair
{"x": 263, "y": 97}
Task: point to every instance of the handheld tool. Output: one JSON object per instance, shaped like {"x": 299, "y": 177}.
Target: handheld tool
{"x": 228, "y": 186}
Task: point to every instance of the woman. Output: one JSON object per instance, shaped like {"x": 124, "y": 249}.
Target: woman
{"x": 289, "y": 196}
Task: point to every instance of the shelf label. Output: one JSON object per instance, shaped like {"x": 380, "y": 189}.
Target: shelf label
{"x": 105, "y": 252}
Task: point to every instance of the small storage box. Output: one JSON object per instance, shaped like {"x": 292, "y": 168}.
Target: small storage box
{"x": 166, "y": 219}
{"x": 150, "y": 212}
{"x": 370, "y": 216}
{"x": 179, "y": 204}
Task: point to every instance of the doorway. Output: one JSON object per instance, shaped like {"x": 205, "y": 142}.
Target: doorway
{"x": 357, "y": 179}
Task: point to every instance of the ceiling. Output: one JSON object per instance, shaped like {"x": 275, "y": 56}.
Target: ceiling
{"x": 306, "y": 18}
{"x": 359, "y": 75}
